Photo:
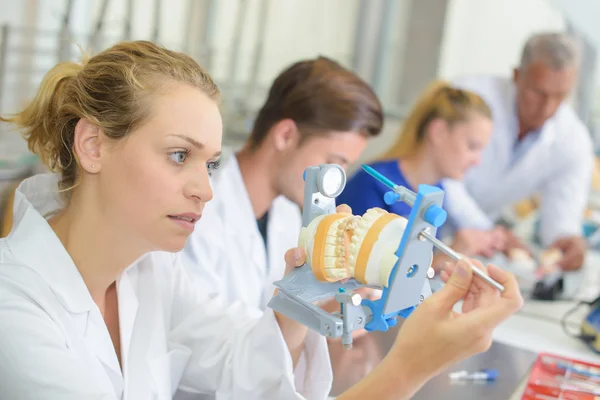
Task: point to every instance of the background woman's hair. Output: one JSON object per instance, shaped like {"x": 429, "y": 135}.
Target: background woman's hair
{"x": 440, "y": 100}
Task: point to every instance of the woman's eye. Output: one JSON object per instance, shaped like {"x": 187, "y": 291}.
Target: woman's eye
{"x": 178, "y": 156}
{"x": 213, "y": 166}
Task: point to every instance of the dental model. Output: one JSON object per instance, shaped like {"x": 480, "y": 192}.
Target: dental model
{"x": 549, "y": 260}
{"x": 343, "y": 245}
{"x": 523, "y": 263}
{"x": 521, "y": 260}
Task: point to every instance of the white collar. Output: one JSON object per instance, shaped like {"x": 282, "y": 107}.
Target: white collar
{"x": 236, "y": 194}
{"x": 546, "y": 134}
{"x": 34, "y": 244}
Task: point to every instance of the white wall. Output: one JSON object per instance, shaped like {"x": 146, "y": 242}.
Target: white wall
{"x": 584, "y": 13}
{"x": 481, "y": 36}
{"x": 486, "y": 36}
{"x": 295, "y": 29}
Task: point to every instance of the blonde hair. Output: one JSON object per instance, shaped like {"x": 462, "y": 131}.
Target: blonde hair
{"x": 109, "y": 90}
{"x": 440, "y": 100}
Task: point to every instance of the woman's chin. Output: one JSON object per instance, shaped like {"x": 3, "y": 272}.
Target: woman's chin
{"x": 459, "y": 175}
{"x": 173, "y": 244}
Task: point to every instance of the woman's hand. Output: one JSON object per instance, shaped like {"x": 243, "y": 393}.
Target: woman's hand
{"x": 434, "y": 336}
{"x": 294, "y": 333}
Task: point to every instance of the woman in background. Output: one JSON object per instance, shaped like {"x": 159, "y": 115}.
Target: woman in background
{"x": 442, "y": 137}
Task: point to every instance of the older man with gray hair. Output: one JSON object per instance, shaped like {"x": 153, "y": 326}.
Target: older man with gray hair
{"x": 539, "y": 147}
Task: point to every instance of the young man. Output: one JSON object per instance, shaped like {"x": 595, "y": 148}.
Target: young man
{"x": 316, "y": 112}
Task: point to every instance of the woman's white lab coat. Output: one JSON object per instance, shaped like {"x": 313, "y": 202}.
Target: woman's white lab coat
{"x": 175, "y": 342}
{"x": 556, "y": 164}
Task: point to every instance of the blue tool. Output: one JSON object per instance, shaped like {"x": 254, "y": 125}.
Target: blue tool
{"x": 434, "y": 213}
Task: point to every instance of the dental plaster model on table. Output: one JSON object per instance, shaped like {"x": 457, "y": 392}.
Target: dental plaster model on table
{"x": 541, "y": 275}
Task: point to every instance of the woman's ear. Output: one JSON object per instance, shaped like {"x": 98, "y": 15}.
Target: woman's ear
{"x": 87, "y": 146}
{"x": 437, "y": 130}
{"x": 284, "y": 135}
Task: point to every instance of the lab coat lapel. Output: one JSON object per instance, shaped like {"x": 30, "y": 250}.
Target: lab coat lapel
{"x": 507, "y": 126}
{"x": 284, "y": 227}
{"x": 55, "y": 264}
{"x": 239, "y": 214}
{"x": 282, "y": 235}
{"x": 128, "y": 308}
{"x": 535, "y": 156}
{"x": 508, "y": 131}
{"x": 56, "y": 267}
{"x": 276, "y": 234}
{"x": 98, "y": 342}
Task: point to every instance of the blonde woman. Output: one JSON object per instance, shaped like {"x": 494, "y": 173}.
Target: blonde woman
{"x": 443, "y": 136}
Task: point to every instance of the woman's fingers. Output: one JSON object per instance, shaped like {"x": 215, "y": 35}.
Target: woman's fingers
{"x": 456, "y": 288}
{"x": 343, "y": 208}
{"x": 481, "y": 293}
{"x": 504, "y": 305}
{"x": 295, "y": 257}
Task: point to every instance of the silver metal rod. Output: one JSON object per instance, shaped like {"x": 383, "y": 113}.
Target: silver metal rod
{"x": 235, "y": 54}
{"x": 157, "y": 21}
{"x": 64, "y": 37}
{"x": 455, "y": 256}
{"x": 360, "y": 28}
{"x": 258, "y": 56}
{"x": 127, "y": 29}
{"x": 382, "y": 53}
{"x": 97, "y": 43}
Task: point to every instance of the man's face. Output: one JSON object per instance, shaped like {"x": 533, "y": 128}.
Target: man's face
{"x": 540, "y": 91}
{"x": 341, "y": 148}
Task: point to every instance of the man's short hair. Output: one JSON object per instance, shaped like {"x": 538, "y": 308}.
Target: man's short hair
{"x": 556, "y": 50}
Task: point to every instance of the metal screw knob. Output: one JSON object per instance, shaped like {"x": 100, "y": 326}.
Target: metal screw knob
{"x": 430, "y": 273}
{"x": 356, "y": 299}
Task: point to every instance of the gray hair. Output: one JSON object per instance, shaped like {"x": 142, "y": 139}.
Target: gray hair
{"x": 556, "y": 50}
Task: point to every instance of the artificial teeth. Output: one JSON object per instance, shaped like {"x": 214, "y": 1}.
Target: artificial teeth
{"x": 346, "y": 238}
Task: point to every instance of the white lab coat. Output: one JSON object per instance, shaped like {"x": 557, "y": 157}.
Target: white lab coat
{"x": 557, "y": 166}
{"x": 226, "y": 253}
{"x": 175, "y": 342}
